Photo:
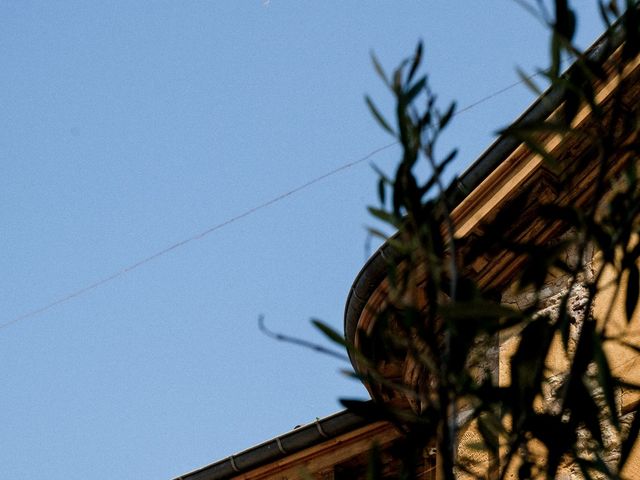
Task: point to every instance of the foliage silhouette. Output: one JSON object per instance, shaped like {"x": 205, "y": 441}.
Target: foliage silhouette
{"x": 445, "y": 325}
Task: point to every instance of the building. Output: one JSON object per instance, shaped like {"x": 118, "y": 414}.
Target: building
{"x": 337, "y": 447}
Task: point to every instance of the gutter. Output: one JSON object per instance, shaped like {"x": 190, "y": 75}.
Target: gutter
{"x": 375, "y": 269}
{"x": 367, "y": 280}
{"x": 279, "y": 447}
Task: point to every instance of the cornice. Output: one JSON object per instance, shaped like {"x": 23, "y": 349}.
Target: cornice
{"x": 519, "y": 170}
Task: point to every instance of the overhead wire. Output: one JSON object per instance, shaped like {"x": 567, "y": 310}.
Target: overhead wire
{"x": 198, "y": 236}
{"x": 99, "y": 283}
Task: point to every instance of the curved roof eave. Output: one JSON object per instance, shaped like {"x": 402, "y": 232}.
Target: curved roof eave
{"x": 374, "y": 270}
{"x": 279, "y": 447}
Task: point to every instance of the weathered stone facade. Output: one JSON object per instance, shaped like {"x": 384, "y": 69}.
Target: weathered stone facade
{"x": 549, "y": 299}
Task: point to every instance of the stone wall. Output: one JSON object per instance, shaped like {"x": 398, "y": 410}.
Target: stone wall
{"x": 622, "y": 360}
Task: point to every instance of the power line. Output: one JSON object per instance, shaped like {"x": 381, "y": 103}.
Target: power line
{"x": 198, "y": 236}
{"x": 99, "y": 283}
{"x": 494, "y": 94}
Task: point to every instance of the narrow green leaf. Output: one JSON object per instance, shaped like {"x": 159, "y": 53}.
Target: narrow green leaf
{"x": 381, "y": 190}
{"x": 564, "y": 320}
{"x": 569, "y": 214}
{"x": 415, "y": 90}
{"x": 378, "y": 233}
{"x": 565, "y": 24}
{"x": 634, "y": 387}
{"x": 630, "y": 21}
{"x": 329, "y": 332}
{"x": 490, "y": 428}
{"x": 396, "y": 80}
{"x": 381, "y": 174}
{"x": 351, "y": 374}
{"x": 605, "y": 379}
{"x": 525, "y": 469}
{"x": 379, "y": 70}
{"x": 444, "y": 120}
{"x": 452, "y": 154}
{"x": 528, "y": 363}
{"x": 633, "y": 291}
{"x": 527, "y": 129}
{"x": 570, "y": 106}
{"x": 604, "y": 13}
{"x": 381, "y": 120}
{"x": 385, "y": 216}
{"x": 417, "y": 58}
{"x": 528, "y": 81}
{"x": 478, "y": 308}
{"x": 584, "y": 409}
{"x": 538, "y": 148}
{"x": 554, "y": 71}
{"x": 613, "y": 7}
{"x": 366, "y": 408}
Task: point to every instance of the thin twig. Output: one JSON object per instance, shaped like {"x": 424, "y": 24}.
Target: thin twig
{"x": 299, "y": 341}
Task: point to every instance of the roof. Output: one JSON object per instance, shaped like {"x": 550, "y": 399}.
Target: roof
{"x": 367, "y": 281}
{"x": 291, "y": 442}
{"x": 375, "y": 269}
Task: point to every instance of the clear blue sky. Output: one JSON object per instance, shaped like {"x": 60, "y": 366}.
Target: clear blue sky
{"x": 127, "y": 126}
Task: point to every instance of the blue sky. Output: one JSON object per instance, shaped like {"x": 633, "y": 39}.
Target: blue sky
{"x": 129, "y": 126}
